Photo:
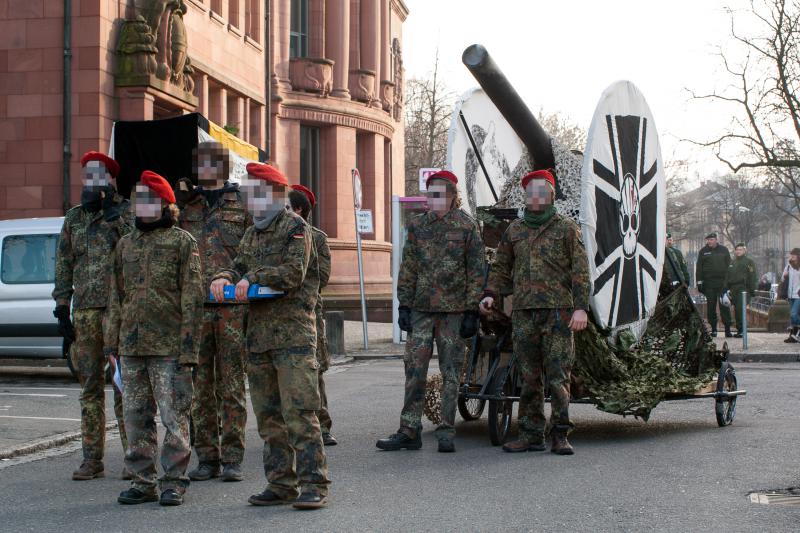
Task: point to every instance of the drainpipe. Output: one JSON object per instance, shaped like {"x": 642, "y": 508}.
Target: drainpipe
{"x": 268, "y": 84}
{"x": 67, "y": 106}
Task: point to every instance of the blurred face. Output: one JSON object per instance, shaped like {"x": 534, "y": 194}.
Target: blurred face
{"x": 95, "y": 176}
{"x": 538, "y": 195}
{"x": 740, "y": 251}
{"x": 670, "y": 241}
{"x": 711, "y": 242}
{"x": 263, "y": 199}
{"x": 210, "y": 174}
{"x": 440, "y": 197}
{"x": 146, "y": 204}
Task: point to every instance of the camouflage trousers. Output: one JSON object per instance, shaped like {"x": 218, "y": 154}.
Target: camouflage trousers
{"x": 544, "y": 347}
{"x": 427, "y": 328}
{"x": 219, "y": 406}
{"x": 285, "y": 396}
{"x": 163, "y": 383}
{"x": 89, "y": 363}
{"x": 324, "y": 359}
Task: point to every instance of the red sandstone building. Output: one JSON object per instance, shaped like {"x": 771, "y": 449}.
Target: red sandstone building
{"x": 317, "y": 84}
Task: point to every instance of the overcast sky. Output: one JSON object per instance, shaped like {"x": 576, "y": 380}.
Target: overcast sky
{"x": 561, "y": 54}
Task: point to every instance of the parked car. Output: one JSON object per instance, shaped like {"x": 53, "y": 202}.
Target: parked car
{"x": 28, "y": 328}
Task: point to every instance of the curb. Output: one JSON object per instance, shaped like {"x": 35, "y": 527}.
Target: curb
{"x": 46, "y": 443}
{"x": 765, "y": 357}
{"x": 44, "y": 371}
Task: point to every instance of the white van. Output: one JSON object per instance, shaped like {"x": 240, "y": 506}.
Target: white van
{"x": 28, "y": 328}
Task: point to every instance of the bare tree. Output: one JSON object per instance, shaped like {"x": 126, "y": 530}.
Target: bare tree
{"x": 568, "y": 134}
{"x": 766, "y": 132}
{"x": 428, "y": 106}
{"x": 679, "y": 204}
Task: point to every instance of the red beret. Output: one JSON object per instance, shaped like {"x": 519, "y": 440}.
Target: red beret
{"x": 539, "y": 175}
{"x": 307, "y": 192}
{"x": 442, "y": 175}
{"x": 267, "y": 173}
{"x": 158, "y": 185}
{"x": 111, "y": 165}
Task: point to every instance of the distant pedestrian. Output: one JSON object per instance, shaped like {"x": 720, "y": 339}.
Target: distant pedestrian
{"x": 791, "y": 282}
{"x": 713, "y": 261}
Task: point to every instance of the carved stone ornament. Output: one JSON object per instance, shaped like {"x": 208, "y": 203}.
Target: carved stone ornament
{"x": 362, "y": 85}
{"x": 387, "y": 95}
{"x": 397, "y": 62}
{"x": 311, "y": 74}
{"x": 153, "y": 47}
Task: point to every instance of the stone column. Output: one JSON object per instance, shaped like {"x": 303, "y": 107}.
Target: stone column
{"x": 202, "y": 94}
{"x": 245, "y": 133}
{"x": 337, "y": 44}
{"x": 371, "y": 166}
{"x": 370, "y": 43}
{"x": 338, "y": 158}
{"x": 281, "y": 26}
{"x": 239, "y": 117}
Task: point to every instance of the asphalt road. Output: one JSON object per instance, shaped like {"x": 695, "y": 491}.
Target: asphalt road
{"x": 678, "y": 472}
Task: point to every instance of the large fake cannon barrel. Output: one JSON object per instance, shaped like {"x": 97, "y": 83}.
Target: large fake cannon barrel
{"x": 497, "y": 87}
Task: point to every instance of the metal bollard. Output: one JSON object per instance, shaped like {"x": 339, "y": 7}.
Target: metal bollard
{"x": 744, "y": 320}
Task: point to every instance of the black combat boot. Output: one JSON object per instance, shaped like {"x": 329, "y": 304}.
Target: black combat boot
{"x": 328, "y": 439}
{"x": 89, "y": 469}
{"x": 232, "y": 472}
{"x": 267, "y": 498}
{"x": 728, "y": 333}
{"x": 310, "y": 499}
{"x": 560, "y": 444}
{"x": 171, "y": 498}
{"x": 398, "y": 441}
{"x": 792, "y": 334}
{"x": 205, "y": 471}
{"x": 134, "y": 496}
{"x": 446, "y": 445}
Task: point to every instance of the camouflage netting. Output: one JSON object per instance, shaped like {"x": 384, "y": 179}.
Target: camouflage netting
{"x": 675, "y": 356}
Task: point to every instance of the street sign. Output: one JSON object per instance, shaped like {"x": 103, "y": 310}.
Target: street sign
{"x": 423, "y": 177}
{"x": 357, "y": 196}
{"x": 364, "y": 221}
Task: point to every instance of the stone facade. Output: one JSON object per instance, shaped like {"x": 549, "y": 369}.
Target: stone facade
{"x": 320, "y": 97}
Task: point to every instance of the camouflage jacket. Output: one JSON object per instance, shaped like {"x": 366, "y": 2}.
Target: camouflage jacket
{"x": 675, "y": 265}
{"x": 742, "y": 275}
{"x": 155, "y": 305}
{"x": 443, "y": 264}
{"x": 712, "y": 266}
{"x": 323, "y": 262}
{"x": 282, "y": 257}
{"x": 218, "y": 230}
{"x": 544, "y": 268}
{"x": 85, "y": 255}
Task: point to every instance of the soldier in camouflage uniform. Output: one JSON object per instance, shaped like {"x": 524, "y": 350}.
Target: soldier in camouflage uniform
{"x": 153, "y": 326}
{"x": 83, "y": 265}
{"x": 214, "y": 214}
{"x": 674, "y": 264}
{"x": 742, "y": 278}
{"x": 541, "y": 261}
{"x": 302, "y": 201}
{"x": 439, "y": 289}
{"x": 277, "y": 251}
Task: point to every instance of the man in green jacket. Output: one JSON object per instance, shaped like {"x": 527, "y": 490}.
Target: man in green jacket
{"x": 675, "y": 265}
{"x": 713, "y": 261}
{"x": 742, "y": 278}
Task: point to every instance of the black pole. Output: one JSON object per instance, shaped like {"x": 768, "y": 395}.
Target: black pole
{"x": 66, "y": 112}
{"x": 477, "y": 153}
{"x": 511, "y": 106}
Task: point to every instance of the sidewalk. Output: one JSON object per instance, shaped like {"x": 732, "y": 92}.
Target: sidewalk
{"x": 761, "y": 348}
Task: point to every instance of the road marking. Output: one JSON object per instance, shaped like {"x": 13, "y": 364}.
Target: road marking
{"x": 33, "y": 394}
{"x": 41, "y": 418}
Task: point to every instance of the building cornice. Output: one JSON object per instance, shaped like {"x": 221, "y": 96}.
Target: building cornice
{"x": 328, "y": 111}
{"x": 400, "y": 8}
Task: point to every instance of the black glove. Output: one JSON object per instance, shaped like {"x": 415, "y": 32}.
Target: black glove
{"x": 469, "y": 325}
{"x": 111, "y": 211}
{"x": 184, "y": 197}
{"x": 404, "y": 320}
{"x": 65, "y": 327}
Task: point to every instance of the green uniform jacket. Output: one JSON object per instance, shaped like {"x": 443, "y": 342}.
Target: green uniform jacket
{"x": 712, "y": 266}
{"x": 218, "y": 230}
{"x": 443, "y": 264}
{"x": 679, "y": 263}
{"x": 544, "y": 268}
{"x": 85, "y": 255}
{"x": 155, "y": 305}
{"x": 742, "y": 276}
{"x": 323, "y": 256}
{"x": 282, "y": 257}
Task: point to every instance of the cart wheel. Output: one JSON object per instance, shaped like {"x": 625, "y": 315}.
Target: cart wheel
{"x": 501, "y": 412}
{"x": 726, "y": 382}
{"x": 470, "y": 408}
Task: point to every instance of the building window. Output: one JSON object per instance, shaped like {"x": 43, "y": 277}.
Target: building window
{"x": 309, "y": 166}
{"x": 216, "y": 6}
{"x": 298, "y": 34}
{"x": 252, "y": 19}
{"x": 233, "y": 13}
{"x": 29, "y": 259}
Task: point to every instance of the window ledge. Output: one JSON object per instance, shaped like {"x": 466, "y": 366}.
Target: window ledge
{"x": 252, "y": 42}
{"x": 234, "y": 30}
{"x": 216, "y": 17}
{"x": 199, "y": 5}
